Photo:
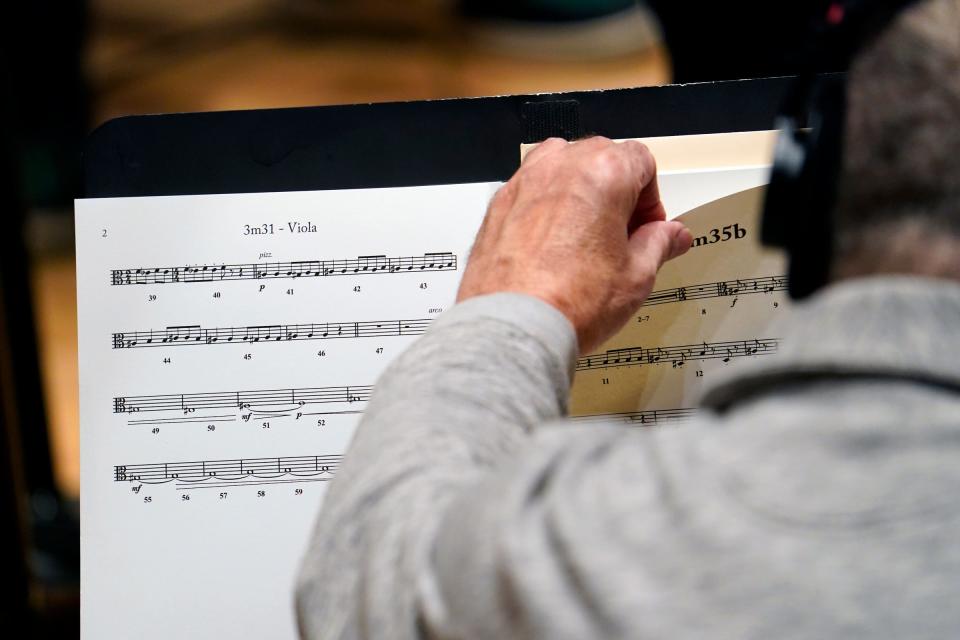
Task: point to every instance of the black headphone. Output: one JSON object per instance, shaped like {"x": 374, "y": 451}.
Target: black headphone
{"x": 798, "y": 210}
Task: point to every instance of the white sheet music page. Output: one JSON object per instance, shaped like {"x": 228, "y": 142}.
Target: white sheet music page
{"x": 229, "y": 343}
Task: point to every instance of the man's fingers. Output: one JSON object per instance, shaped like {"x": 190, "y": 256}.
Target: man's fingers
{"x": 654, "y": 243}
{"x": 648, "y": 207}
{"x": 641, "y": 176}
{"x": 545, "y": 148}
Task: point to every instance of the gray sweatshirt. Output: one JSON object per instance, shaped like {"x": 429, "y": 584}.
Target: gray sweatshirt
{"x": 817, "y": 494}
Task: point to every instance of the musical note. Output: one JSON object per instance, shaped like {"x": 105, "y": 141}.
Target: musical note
{"x": 372, "y": 264}
{"x": 301, "y": 268}
{"x": 171, "y": 335}
{"x": 444, "y": 261}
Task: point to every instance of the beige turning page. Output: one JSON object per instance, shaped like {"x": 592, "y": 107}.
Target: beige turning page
{"x": 711, "y": 307}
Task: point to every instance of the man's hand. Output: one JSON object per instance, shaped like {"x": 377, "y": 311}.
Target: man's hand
{"x": 581, "y": 226}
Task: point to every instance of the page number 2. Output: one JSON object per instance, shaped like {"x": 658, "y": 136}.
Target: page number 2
{"x": 104, "y": 234}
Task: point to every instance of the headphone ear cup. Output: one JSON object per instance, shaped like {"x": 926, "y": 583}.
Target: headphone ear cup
{"x": 789, "y": 160}
{"x": 798, "y": 211}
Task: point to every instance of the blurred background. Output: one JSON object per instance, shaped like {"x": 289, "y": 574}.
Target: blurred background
{"x": 69, "y": 66}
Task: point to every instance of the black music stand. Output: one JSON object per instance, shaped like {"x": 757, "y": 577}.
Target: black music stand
{"x": 396, "y": 144}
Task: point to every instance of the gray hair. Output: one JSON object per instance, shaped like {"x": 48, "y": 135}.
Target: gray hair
{"x": 898, "y": 207}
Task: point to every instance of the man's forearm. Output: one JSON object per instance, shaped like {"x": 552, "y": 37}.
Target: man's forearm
{"x": 451, "y": 408}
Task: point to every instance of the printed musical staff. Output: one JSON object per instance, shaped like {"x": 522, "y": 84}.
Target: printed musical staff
{"x": 188, "y": 403}
{"x": 361, "y": 265}
{"x": 196, "y": 335}
{"x": 677, "y": 355}
{"x": 250, "y": 471}
{"x": 744, "y": 286}
{"x": 647, "y": 418}
{"x": 236, "y": 472}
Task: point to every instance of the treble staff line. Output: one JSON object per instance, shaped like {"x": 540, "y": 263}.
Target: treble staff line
{"x": 361, "y": 265}
{"x": 186, "y": 335}
{"x": 677, "y": 355}
{"x": 723, "y": 288}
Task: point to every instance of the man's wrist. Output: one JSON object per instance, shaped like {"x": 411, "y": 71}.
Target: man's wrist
{"x": 528, "y": 314}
